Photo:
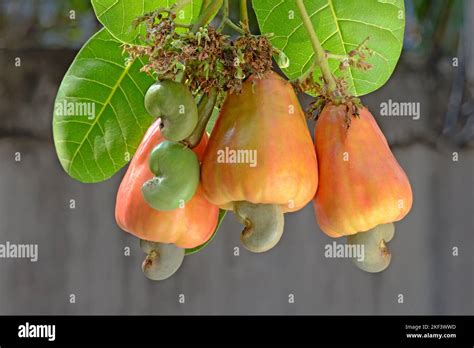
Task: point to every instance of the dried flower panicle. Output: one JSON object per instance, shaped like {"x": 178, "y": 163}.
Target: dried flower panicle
{"x": 357, "y": 58}
{"x": 207, "y": 59}
{"x": 339, "y": 96}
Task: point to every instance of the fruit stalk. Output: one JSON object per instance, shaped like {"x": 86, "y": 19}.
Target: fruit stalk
{"x": 244, "y": 15}
{"x": 205, "y": 109}
{"x": 318, "y": 49}
{"x": 207, "y": 14}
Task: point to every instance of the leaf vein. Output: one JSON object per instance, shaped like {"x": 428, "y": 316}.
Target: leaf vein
{"x": 107, "y": 101}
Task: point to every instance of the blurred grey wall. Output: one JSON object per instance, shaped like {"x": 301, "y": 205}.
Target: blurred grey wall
{"x": 81, "y": 250}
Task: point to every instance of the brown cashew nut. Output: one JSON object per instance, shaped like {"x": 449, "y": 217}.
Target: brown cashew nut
{"x": 264, "y": 225}
{"x": 162, "y": 260}
{"x": 377, "y": 256}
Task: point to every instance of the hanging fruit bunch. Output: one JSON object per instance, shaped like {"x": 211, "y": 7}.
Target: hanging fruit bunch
{"x": 214, "y": 128}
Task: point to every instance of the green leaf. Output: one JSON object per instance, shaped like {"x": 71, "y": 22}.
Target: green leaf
{"x": 99, "y": 117}
{"x": 117, "y": 15}
{"x": 341, "y": 25}
{"x": 222, "y": 213}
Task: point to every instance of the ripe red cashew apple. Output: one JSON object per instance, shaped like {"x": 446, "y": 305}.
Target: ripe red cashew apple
{"x": 186, "y": 227}
{"x": 260, "y": 161}
{"x": 361, "y": 184}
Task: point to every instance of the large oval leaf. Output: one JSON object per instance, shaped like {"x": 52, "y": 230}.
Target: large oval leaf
{"x": 117, "y": 15}
{"x": 99, "y": 117}
{"x": 341, "y": 25}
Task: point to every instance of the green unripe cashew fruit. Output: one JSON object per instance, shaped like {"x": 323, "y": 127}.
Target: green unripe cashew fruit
{"x": 162, "y": 260}
{"x": 174, "y": 104}
{"x": 176, "y": 170}
{"x": 264, "y": 224}
{"x": 376, "y": 254}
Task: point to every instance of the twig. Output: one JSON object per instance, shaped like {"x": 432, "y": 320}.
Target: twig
{"x": 205, "y": 109}
{"x": 226, "y": 20}
{"x": 182, "y": 25}
{"x": 207, "y": 14}
{"x": 318, "y": 49}
{"x": 225, "y": 15}
{"x": 234, "y": 26}
{"x": 244, "y": 15}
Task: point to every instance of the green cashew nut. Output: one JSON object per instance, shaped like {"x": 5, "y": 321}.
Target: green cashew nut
{"x": 377, "y": 257}
{"x": 162, "y": 260}
{"x": 174, "y": 104}
{"x": 176, "y": 170}
{"x": 264, "y": 225}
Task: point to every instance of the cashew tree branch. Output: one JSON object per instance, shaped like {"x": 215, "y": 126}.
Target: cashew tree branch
{"x": 319, "y": 52}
